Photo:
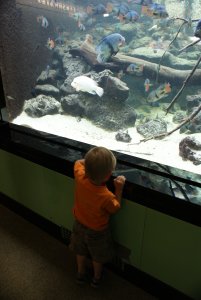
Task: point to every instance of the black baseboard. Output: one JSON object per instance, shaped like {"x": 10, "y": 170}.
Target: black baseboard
{"x": 153, "y": 286}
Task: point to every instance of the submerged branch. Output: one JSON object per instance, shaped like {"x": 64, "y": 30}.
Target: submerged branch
{"x": 121, "y": 62}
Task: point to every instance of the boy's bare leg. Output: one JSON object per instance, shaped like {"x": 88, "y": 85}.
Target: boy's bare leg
{"x": 98, "y": 267}
{"x": 81, "y": 263}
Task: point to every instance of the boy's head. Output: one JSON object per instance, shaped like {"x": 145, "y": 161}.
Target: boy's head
{"x": 99, "y": 164}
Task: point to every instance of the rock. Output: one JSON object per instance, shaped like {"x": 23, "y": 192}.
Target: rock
{"x": 41, "y": 105}
{"x": 66, "y": 87}
{"x": 188, "y": 148}
{"x": 56, "y": 64}
{"x": 169, "y": 59}
{"x": 194, "y": 126}
{"x": 73, "y": 105}
{"x": 193, "y": 101}
{"x": 114, "y": 89}
{"x": 47, "y": 78}
{"x": 129, "y": 30}
{"x": 99, "y": 111}
{"x": 179, "y": 116}
{"x": 47, "y": 89}
{"x": 148, "y": 54}
{"x": 74, "y": 65}
{"x": 190, "y": 55}
{"x": 152, "y": 128}
{"x": 134, "y": 44}
{"x": 180, "y": 63}
{"x": 123, "y": 136}
{"x": 99, "y": 77}
{"x": 108, "y": 116}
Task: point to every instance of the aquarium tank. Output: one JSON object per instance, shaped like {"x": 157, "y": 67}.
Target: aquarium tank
{"x": 121, "y": 74}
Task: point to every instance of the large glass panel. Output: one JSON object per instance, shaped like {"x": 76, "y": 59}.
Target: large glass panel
{"x": 106, "y": 73}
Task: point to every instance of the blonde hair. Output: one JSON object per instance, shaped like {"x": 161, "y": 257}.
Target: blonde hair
{"x": 99, "y": 163}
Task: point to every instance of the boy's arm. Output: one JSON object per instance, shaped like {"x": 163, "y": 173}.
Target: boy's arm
{"x": 119, "y": 185}
{"x": 113, "y": 204}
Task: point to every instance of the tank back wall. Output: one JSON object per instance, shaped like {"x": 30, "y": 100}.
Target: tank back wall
{"x": 23, "y": 51}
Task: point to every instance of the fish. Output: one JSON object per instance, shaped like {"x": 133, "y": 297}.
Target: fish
{"x": 90, "y": 21}
{"x": 80, "y": 16}
{"x": 59, "y": 40}
{"x": 81, "y": 26}
{"x": 161, "y": 92}
{"x": 99, "y": 9}
{"x": 89, "y": 9}
{"x": 131, "y": 16}
{"x": 109, "y": 7}
{"x": 43, "y": 20}
{"x": 120, "y": 74}
{"x": 143, "y": 2}
{"x": 154, "y": 27}
{"x": 147, "y": 85}
{"x": 47, "y": 71}
{"x": 121, "y": 10}
{"x": 158, "y": 45}
{"x": 197, "y": 32}
{"x": 135, "y": 69}
{"x": 86, "y": 84}
{"x": 155, "y": 10}
{"x": 50, "y": 43}
{"x": 109, "y": 46}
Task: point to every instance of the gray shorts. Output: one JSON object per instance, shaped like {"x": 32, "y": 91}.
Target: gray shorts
{"x": 98, "y": 245}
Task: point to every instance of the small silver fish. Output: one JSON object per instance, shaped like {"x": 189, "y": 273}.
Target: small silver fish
{"x": 135, "y": 69}
{"x": 44, "y": 22}
{"x": 81, "y": 26}
{"x": 47, "y": 71}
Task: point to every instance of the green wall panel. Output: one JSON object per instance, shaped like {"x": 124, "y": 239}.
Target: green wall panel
{"x": 128, "y": 227}
{"x": 44, "y": 191}
{"x": 172, "y": 252}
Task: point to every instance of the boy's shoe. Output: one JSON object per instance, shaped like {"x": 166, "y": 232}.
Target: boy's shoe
{"x": 95, "y": 283}
{"x": 80, "y": 279}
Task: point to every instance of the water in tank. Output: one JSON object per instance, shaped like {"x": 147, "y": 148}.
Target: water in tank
{"x": 121, "y": 74}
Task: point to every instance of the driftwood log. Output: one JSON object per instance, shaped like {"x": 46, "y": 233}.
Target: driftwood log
{"x": 121, "y": 62}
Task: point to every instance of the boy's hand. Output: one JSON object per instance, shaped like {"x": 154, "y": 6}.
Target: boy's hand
{"x": 119, "y": 181}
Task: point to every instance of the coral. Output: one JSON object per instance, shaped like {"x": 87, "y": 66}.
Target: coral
{"x": 123, "y": 136}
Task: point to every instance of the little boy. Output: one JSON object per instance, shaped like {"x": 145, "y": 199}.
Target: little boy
{"x": 94, "y": 204}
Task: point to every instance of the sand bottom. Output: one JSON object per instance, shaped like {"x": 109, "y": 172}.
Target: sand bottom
{"x": 165, "y": 151}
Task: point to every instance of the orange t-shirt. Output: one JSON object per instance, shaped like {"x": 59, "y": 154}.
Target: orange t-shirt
{"x": 93, "y": 204}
